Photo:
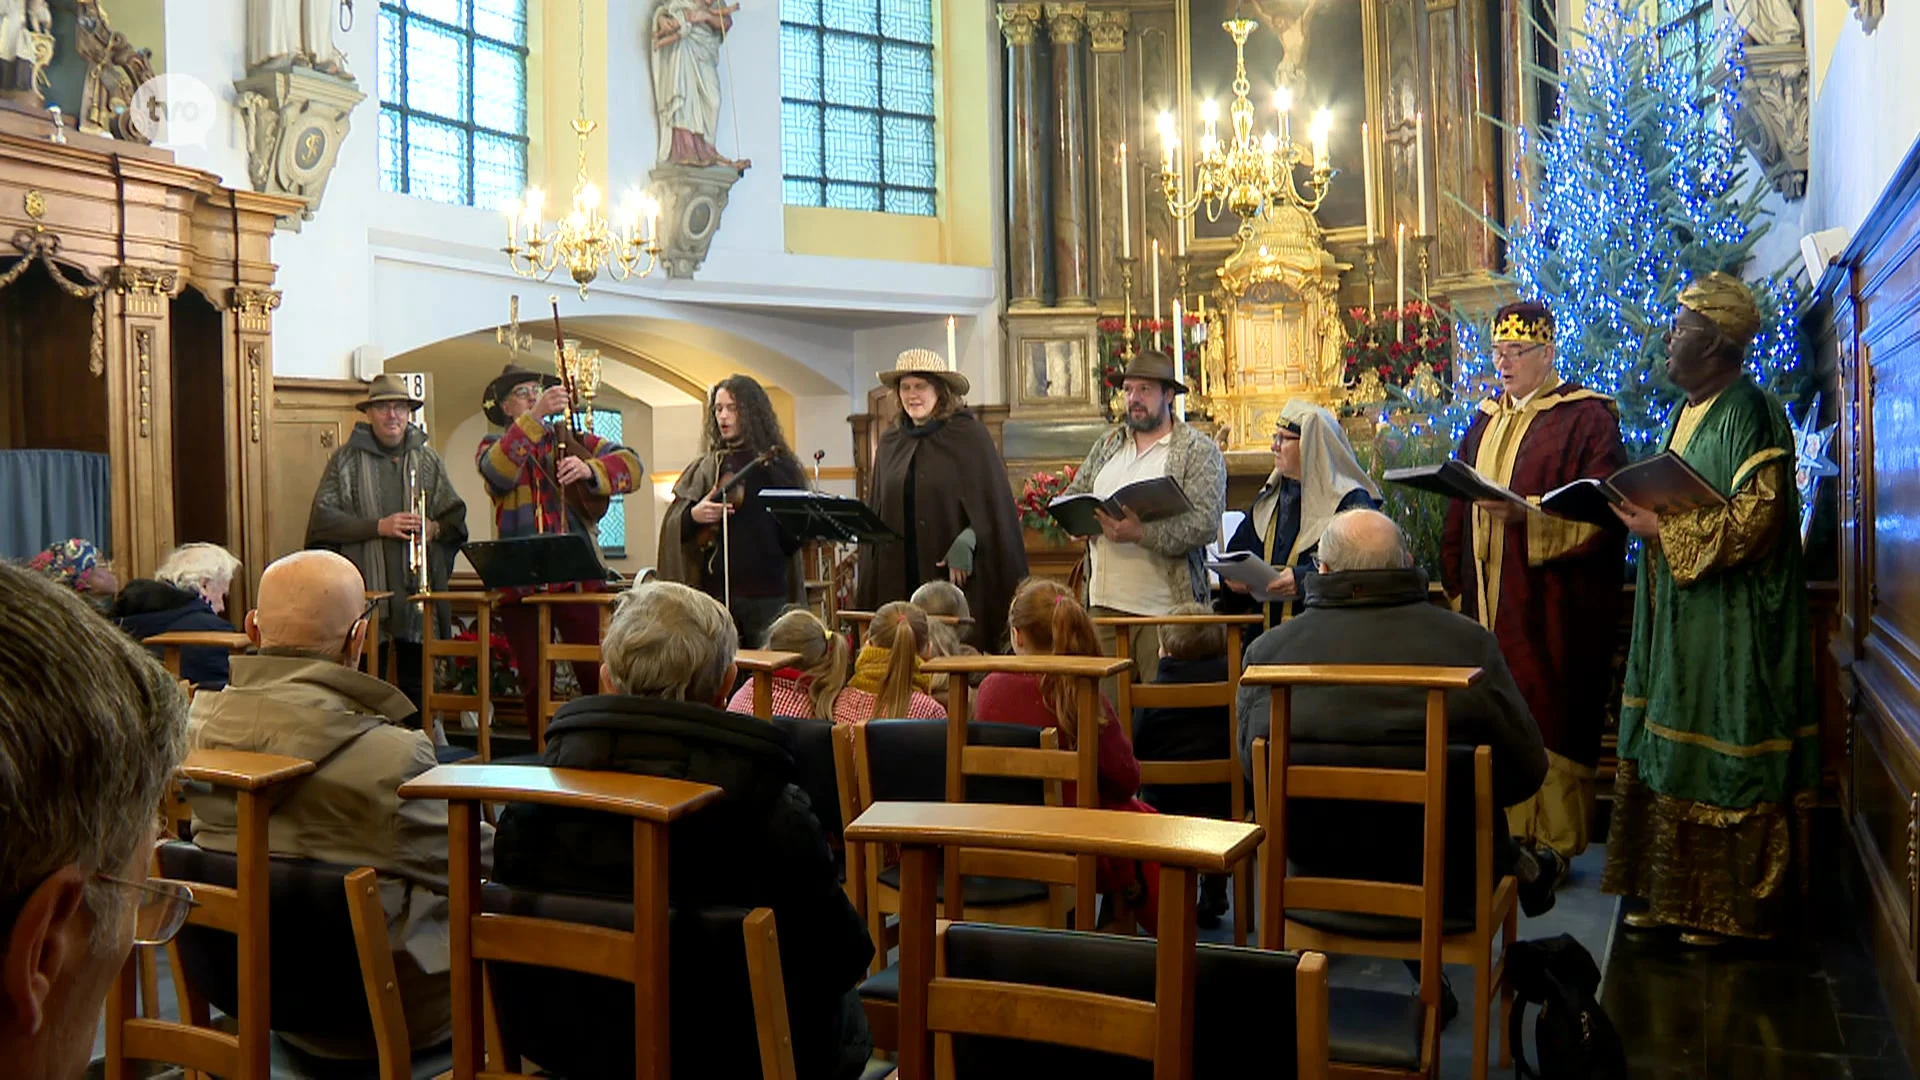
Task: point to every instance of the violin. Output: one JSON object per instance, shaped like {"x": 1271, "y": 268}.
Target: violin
{"x": 587, "y": 504}
{"x": 730, "y": 492}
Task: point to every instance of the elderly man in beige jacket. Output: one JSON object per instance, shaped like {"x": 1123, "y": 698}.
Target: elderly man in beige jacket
{"x": 301, "y": 697}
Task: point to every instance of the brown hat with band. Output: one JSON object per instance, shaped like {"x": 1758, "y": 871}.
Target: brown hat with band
{"x": 1154, "y": 365}
{"x": 387, "y": 388}
{"x": 502, "y": 386}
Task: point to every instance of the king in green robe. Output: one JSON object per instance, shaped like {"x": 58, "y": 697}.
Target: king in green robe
{"x": 1719, "y": 760}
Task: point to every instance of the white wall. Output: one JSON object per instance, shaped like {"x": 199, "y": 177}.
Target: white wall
{"x": 1866, "y": 113}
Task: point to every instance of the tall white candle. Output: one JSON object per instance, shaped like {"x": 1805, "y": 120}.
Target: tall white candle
{"x": 1179, "y": 361}
{"x": 1158, "y": 341}
{"x": 1420, "y": 168}
{"x": 950, "y": 352}
{"x": 1126, "y": 225}
{"x": 1366, "y": 169}
{"x": 1400, "y": 276}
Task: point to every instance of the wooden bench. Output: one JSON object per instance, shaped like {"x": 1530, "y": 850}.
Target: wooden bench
{"x": 433, "y": 647}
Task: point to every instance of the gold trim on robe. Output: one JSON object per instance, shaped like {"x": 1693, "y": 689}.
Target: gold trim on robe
{"x": 1712, "y": 538}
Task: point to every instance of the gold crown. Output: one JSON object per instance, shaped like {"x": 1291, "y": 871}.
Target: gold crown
{"x": 1517, "y": 327}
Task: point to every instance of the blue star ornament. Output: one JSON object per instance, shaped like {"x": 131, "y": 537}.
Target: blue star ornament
{"x": 1811, "y": 464}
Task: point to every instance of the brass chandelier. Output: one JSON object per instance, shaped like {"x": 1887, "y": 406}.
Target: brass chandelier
{"x": 1249, "y": 173}
{"x": 585, "y": 240}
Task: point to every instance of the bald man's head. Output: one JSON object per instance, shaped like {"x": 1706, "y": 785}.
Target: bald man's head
{"x": 309, "y": 601}
{"x": 1363, "y": 540}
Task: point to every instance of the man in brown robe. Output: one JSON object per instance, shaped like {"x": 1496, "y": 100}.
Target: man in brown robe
{"x": 1548, "y": 588}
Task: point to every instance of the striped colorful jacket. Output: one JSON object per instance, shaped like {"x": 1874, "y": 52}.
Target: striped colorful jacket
{"x": 518, "y": 468}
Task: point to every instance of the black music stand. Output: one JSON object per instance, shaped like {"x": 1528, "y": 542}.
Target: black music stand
{"x": 816, "y": 515}
{"x": 535, "y": 560}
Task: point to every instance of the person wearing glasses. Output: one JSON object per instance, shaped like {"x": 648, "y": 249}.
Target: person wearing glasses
{"x": 85, "y": 762}
{"x": 301, "y": 697}
{"x": 365, "y": 510}
{"x": 1547, "y": 587}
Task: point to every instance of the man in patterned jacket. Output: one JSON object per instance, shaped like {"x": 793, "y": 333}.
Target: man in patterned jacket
{"x": 525, "y": 477}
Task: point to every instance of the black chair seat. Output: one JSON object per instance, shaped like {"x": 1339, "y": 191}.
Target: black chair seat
{"x": 1375, "y": 927}
{"x": 1374, "y": 1027}
{"x": 518, "y": 759}
{"x": 982, "y": 892}
{"x": 447, "y": 755}
{"x": 884, "y": 986}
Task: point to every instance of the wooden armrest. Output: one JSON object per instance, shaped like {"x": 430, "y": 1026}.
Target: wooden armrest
{"x": 372, "y": 595}
{"x": 454, "y": 597}
{"x": 242, "y": 770}
{"x": 867, "y": 617}
{"x": 1097, "y": 667}
{"x": 650, "y": 798}
{"x": 1197, "y": 843}
{"x": 765, "y": 660}
{"x": 214, "y": 639}
{"x": 1178, "y": 620}
{"x": 1418, "y": 678}
{"x": 602, "y": 598}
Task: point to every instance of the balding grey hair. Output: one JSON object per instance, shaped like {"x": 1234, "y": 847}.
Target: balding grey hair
{"x": 1363, "y": 540}
{"x": 668, "y": 641}
{"x": 91, "y": 731}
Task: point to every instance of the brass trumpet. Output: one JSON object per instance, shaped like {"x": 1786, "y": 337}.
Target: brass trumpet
{"x": 417, "y": 541}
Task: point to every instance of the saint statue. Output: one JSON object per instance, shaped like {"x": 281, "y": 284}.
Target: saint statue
{"x": 297, "y": 32}
{"x": 20, "y": 22}
{"x": 687, "y": 35}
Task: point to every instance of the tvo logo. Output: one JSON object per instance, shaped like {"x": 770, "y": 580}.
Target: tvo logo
{"x": 174, "y": 110}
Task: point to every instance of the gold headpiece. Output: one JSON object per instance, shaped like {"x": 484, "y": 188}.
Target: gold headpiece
{"x": 1536, "y": 330}
{"x": 1727, "y": 302}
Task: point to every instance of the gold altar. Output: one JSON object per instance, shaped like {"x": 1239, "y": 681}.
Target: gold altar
{"x": 1274, "y": 332}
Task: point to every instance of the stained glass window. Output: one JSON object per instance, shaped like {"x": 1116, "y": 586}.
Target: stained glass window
{"x": 856, "y": 112}
{"x": 453, "y": 99}
{"x": 1688, "y": 37}
{"x": 609, "y": 424}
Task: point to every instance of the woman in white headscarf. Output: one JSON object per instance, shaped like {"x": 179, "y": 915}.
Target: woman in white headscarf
{"x": 1315, "y": 476}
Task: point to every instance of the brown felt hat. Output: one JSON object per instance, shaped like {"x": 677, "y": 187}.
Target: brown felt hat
{"x": 1154, "y": 365}
{"x": 503, "y": 384}
{"x": 387, "y": 388}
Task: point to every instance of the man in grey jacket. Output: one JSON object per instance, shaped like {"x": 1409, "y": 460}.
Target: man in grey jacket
{"x": 301, "y": 697}
{"x": 1148, "y": 568}
{"x": 1369, "y": 605}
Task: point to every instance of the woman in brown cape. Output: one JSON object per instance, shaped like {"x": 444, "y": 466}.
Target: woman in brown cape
{"x": 939, "y": 482}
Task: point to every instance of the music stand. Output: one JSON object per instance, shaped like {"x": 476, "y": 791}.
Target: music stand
{"x": 816, "y": 515}
{"x": 535, "y": 560}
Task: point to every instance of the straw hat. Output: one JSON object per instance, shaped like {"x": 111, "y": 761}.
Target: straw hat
{"x": 928, "y": 365}
{"x": 387, "y": 388}
{"x": 502, "y": 385}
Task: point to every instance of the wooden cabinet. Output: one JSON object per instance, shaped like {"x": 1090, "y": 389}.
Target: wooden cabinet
{"x": 311, "y": 419}
{"x": 171, "y": 275}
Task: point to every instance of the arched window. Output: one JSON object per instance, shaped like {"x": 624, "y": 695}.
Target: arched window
{"x": 453, "y": 100}
{"x": 856, "y": 114}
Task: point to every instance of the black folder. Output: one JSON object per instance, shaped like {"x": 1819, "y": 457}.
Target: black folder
{"x": 536, "y": 560}
{"x": 816, "y": 515}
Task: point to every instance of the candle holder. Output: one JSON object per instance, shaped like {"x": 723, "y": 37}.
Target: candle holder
{"x": 1423, "y": 253}
{"x": 1126, "y": 286}
{"x": 1371, "y": 251}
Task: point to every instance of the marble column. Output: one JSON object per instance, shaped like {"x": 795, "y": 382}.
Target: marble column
{"x": 1027, "y": 225}
{"x": 1067, "y": 24}
{"x": 1107, "y": 31}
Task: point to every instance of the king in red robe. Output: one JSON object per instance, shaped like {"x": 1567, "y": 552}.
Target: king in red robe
{"x": 1550, "y": 589}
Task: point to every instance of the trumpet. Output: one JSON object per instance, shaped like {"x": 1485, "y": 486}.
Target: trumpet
{"x": 417, "y": 541}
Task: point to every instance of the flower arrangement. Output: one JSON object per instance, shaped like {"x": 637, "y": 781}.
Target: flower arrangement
{"x": 1038, "y": 490}
{"x": 1392, "y": 344}
{"x": 463, "y": 680}
{"x": 1113, "y": 342}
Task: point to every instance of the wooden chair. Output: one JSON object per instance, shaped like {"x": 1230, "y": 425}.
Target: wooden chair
{"x": 433, "y": 647}
{"x": 171, "y": 642}
{"x": 1379, "y": 924}
{"x": 639, "y": 957}
{"x": 240, "y": 911}
{"x": 1225, "y": 771}
{"x": 1160, "y": 1030}
{"x": 370, "y": 657}
{"x": 761, "y": 664}
{"x": 551, "y": 652}
{"x": 857, "y": 622}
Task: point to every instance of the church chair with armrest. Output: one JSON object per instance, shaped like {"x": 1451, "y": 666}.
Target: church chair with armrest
{"x": 982, "y": 991}
{"x": 370, "y": 656}
{"x": 480, "y": 938}
{"x": 550, "y": 652}
{"x": 1400, "y": 921}
{"x": 761, "y": 664}
{"x": 856, "y": 623}
{"x": 242, "y": 911}
{"x": 171, "y": 642}
{"x": 1227, "y": 770}
{"x": 433, "y": 647}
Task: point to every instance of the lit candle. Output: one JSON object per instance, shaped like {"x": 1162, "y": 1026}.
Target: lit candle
{"x": 1167, "y": 141}
{"x": 513, "y": 222}
{"x": 1283, "y": 103}
{"x": 1322, "y": 123}
{"x": 1158, "y": 341}
{"x": 1179, "y": 362}
{"x": 1366, "y": 169}
{"x": 1420, "y": 168}
{"x": 950, "y": 352}
{"x": 1400, "y": 277}
{"x": 1126, "y": 225}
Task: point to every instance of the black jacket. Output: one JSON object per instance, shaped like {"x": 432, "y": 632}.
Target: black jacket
{"x": 1385, "y": 617}
{"x": 1201, "y": 734}
{"x": 760, "y": 846}
{"x": 145, "y": 608}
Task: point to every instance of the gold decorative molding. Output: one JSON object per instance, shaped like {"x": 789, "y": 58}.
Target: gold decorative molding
{"x": 35, "y": 203}
{"x": 245, "y": 301}
{"x": 1018, "y": 22}
{"x": 253, "y": 386}
{"x": 1066, "y": 23}
{"x": 137, "y": 279}
{"x": 143, "y": 359}
{"x": 1108, "y": 29}
{"x": 1913, "y": 848}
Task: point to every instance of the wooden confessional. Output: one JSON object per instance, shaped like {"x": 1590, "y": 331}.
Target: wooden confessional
{"x": 136, "y": 320}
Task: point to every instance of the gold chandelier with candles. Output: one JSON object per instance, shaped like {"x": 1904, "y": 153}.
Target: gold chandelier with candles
{"x": 1249, "y": 173}
{"x": 585, "y": 241}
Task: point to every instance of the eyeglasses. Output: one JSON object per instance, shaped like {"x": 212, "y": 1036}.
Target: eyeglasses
{"x": 525, "y": 392}
{"x": 398, "y": 408}
{"x": 164, "y": 907}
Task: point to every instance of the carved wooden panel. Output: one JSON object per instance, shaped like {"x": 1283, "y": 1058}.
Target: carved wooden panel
{"x": 311, "y": 419}
{"x": 1886, "y": 817}
{"x": 1892, "y": 551}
